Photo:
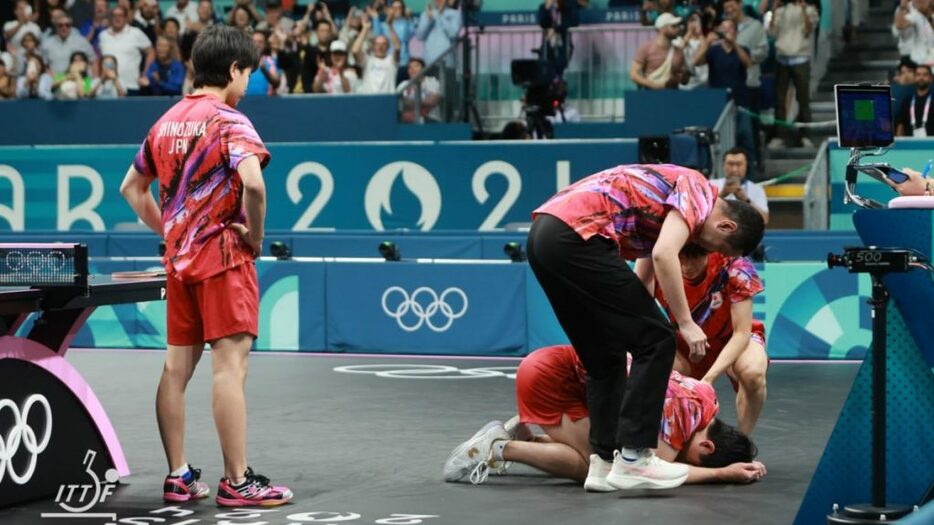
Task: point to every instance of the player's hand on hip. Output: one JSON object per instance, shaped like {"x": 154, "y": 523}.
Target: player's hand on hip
{"x": 696, "y": 340}
{"x": 256, "y": 244}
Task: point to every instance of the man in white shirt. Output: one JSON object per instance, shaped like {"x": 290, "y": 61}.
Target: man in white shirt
{"x": 735, "y": 185}
{"x": 428, "y": 90}
{"x": 14, "y": 30}
{"x": 185, "y": 11}
{"x": 912, "y": 27}
{"x": 379, "y": 67}
{"x": 129, "y": 45}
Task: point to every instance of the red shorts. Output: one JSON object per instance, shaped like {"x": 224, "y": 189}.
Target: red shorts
{"x": 699, "y": 370}
{"x": 222, "y": 305}
{"x": 550, "y": 383}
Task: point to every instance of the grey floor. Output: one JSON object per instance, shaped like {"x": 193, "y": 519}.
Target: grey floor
{"x": 357, "y": 448}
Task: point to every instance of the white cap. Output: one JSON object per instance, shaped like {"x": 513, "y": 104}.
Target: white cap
{"x": 338, "y": 46}
{"x": 666, "y": 19}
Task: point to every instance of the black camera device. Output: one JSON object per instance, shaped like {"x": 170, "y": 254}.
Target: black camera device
{"x": 871, "y": 259}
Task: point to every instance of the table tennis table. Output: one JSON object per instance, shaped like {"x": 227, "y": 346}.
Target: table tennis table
{"x": 53, "y": 429}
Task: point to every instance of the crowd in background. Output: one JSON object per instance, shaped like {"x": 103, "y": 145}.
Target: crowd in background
{"x": 70, "y": 49}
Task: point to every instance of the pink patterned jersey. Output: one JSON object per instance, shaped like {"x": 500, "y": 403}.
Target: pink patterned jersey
{"x": 194, "y": 151}
{"x": 629, "y": 203}
{"x": 690, "y": 405}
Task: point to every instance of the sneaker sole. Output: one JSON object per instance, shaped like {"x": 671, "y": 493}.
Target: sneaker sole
{"x": 224, "y": 502}
{"x": 639, "y": 482}
{"x": 596, "y": 486}
{"x": 460, "y": 450}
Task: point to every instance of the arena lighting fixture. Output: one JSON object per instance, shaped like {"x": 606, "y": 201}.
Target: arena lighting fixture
{"x": 280, "y": 251}
{"x": 514, "y": 251}
{"x": 390, "y": 251}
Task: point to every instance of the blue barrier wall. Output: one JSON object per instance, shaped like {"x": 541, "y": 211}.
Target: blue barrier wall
{"x": 474, "y": 309}
{"x": 420, "y": 186}
{"x": 654, "y": 113}
{"x": 312, "y": 118}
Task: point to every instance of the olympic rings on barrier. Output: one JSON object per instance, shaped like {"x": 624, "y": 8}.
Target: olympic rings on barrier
{"x": 35, "y": 261}
{"x": 395, "y": 371}
{"x": 22, "y": 433}
{"x": 425, "y": 314}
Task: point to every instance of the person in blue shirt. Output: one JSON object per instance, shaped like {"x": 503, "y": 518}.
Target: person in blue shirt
{"x": 166, "y": 74}
{"x": 438, "y": 27}
{"x": 266, "y": 78}
{"x": 401, "y": 19}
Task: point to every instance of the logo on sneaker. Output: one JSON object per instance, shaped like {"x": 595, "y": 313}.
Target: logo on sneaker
{"x": 77, "y": 499}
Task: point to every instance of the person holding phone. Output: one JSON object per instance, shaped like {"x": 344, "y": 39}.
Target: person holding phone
{"x": 736, "y": 185}
{"x": 108, "y": 85}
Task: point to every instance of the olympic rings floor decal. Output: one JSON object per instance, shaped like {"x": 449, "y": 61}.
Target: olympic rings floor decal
{"x": 362, "y": 439}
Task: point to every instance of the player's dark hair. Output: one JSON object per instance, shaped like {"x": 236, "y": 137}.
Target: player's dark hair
{"x": 215, "y": 49}
{"x": 749, "y": 226}
{"x": 730, "y": 446}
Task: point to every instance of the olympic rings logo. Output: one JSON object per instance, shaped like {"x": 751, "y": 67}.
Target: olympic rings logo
{"x": 35, "y": 261}
{"x": 411, "y": 371}
{"x": 22, "y": 433}
{"x": 423, "y": 307}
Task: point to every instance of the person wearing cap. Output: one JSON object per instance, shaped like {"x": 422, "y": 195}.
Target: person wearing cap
{"x": 335, "y": 75}
{"x": 659, "y": 64}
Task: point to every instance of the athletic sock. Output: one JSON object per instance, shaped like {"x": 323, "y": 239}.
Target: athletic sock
{"x": 180, "y": 472}
{"x": 498, "y": 446}
{"x": 631, "y": 455}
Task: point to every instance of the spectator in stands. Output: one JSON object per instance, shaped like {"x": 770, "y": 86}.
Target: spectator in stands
{"x": 74, "y": 83}
{"x": 281, "y": 58}
{"x": 56, "y": 14}
{"x": 130, "y": 6}
{"x": 166, "y": 74}
{"x": 735, "y": 183}
{"x": 130, "y": 46}
{"x": 353, "y": 24}
{"x": 915, "y": 114}
{"x": 556, "y": 18}
{"x": 81, "y": 11}
{"x": 400, "y": 18}
{"x": 905, "y": 75}
{"x": 912, "y": 27}
{"x": 7, "y": 83}
{"x": 108, "y": 85}
{"x": 36, "y": 82}
{"x": 264, "y": 81}
{"x": 728, "y": 62}
{"x": 58, "y": 48}
{"x": 693, "y": 41}
{"x": 316, "y": 12}
{"x": 172, "y": 30}
{"x": 793, "y": 28}
{"x": 336, "y": 75}
{"x": 45, "y": 9}
{"x": 185, "y": 12}
{"x": 241, "y": 18}
{"x": 147, "y": 19}
{"x": 652, "y": 9}
{"x": 659, "y": 64}
{"x": 379, "y": 67}
{"x": 438, "y": 28}
{"x": 274, "y": 21}
{"x": 97, "y": 24}
{"x": 14, "y": 30}
{"x": 428, "y": 89}
{"x": 206, "y": 17}
{"x": 28, "y": 45}
{"x": 300, "y": 60}
{"x": 751, "y": 35}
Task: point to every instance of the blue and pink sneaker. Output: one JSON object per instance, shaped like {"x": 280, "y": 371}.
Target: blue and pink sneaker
{"x": 256, "y": 490}
{"x": 186, "y": 487}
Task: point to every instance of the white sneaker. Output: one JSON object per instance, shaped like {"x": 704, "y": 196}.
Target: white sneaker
{"x": 596, "y": 476}
{"x": 518, "y": 431}
{"x": 807, "y": 143}
{"x": 647, "y": 472}
{"x": 475, "y": 456}
{"x": 776, "y": 143}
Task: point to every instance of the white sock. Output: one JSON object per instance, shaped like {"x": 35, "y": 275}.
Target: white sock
{"x": 498, "y": 446}
{"x": 631, "y": 455}
{"x": 180, "y": 472}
